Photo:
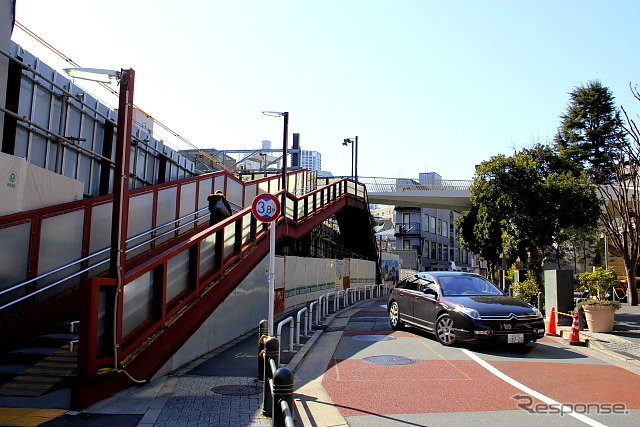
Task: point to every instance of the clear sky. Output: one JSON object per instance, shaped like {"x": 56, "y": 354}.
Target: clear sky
{"x": 428, "y": 86}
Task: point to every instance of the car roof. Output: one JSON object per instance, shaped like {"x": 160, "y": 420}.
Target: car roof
{"x": 446, "y": 273}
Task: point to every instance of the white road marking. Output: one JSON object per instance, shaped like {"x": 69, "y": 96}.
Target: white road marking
{"x": 549, "y": 401}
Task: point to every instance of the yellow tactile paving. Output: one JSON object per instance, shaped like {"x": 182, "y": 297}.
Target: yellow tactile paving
{"x": 28, "y": 416}
{"x": 33, "y": 383}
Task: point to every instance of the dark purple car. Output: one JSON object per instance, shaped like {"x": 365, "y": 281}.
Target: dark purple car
{"x": 458, "y": 306}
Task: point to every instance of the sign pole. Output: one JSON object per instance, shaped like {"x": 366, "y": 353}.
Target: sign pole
{"x": 272, "y": 274}
{"x": 266, "y": 208}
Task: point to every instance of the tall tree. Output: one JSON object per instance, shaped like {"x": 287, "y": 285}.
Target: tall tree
{"x": 590, "y": 130}
{"x": 527, "y": 200}
{"x": 621, "y": 213}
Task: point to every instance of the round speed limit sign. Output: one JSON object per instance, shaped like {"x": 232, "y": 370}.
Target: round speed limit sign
{"x": 265, "y": 207}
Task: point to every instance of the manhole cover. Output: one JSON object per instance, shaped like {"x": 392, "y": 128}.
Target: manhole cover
{"x": 237, "y": 390}
{"x": 373, "y": 337}
{"x": 389, "y": 360}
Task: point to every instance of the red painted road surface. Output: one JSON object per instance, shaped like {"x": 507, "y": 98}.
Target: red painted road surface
{"x": 447, "y": 380}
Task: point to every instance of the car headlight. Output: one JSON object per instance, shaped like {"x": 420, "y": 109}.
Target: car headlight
{"x": 471, "y": 312}
{"x": 537, "y": 313}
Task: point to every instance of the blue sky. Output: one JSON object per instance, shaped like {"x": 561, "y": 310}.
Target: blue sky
{"x": 426, "y": 85}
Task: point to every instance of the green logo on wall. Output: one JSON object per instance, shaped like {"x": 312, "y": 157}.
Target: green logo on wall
{"x": 12, "y": 179}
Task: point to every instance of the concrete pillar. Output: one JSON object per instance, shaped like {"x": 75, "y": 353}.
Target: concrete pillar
{"x": 558, "y": 293}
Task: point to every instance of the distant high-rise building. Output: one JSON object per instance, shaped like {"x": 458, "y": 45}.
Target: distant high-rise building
{"x": 311, "y": 160}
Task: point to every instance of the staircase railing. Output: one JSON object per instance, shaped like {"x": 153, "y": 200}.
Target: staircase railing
{"x": 120, "y": 320}
{"x": 47, "y": 251}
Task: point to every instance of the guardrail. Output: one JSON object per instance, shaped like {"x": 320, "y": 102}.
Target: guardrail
{"x": 278, "y": 386}
{"x": 278, "y": 380}
{"x": 320, "y": 313}
{"x": 291, "y": 323}
{"x": 386, "y": 185}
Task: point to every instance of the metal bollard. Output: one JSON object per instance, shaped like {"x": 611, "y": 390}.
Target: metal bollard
{"x": 282, "y": 390}
{"x": 271, "y": 352}
{"x": 263, "y": 333}
{"x": 540, "y": 301}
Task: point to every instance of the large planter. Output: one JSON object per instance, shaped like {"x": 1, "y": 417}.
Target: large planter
{"x": 599, "y": 318}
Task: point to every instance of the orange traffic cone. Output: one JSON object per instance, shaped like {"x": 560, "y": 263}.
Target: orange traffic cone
{"x": 551, "y": 330}
{"x": 574, "y": 336}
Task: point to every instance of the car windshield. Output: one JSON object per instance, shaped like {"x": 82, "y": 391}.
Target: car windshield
{"x": 467, "y": 286}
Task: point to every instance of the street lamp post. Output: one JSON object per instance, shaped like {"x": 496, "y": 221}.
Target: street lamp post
{"x": 123, "y": 148}
{"x": 354, "y": 156}
{"x": 119, "y": 216}
{"x": 284, "y": 153}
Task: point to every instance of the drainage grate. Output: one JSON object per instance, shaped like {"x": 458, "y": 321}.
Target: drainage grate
{"x": 237, "y": 390}
{"x": 390, "y": 360}
{"x": 373, "y": 337}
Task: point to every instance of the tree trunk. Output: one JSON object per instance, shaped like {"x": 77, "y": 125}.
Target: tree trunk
{"x": 632, "y": 286}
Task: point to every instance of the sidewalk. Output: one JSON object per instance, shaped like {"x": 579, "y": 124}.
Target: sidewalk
{"x": 623, "y": 343}
{"x": 220, "y": 389}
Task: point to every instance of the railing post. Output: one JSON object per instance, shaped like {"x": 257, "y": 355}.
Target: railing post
{"x": 282, "y": 390}
{"x": 311, "y": 313}
{"x": 263, "y": 333}
{"x": 271, "y": 352}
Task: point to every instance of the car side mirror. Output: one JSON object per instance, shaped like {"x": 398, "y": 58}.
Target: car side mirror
{"x": 430, "y": 291}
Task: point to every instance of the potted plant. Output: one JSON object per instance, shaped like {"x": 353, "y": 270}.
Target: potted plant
{"x": 598, "y": 311}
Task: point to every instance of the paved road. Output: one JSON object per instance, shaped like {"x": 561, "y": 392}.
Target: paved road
{"x": 380, "y": 377}
{"x": 361, "y": 373}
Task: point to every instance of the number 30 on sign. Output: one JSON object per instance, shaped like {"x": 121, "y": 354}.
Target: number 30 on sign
{"x": 266, "y": 207}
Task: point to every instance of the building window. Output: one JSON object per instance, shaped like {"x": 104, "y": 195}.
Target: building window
{"x": 406, "y": 244}
{"x": 439, "y": 251}
{"x": 439, "y": 227}
{"x": 426, "y": 250}
{"x": 445, "y": 253}
{"x": 445, "y": 228}
{"x": 432, "y": 224}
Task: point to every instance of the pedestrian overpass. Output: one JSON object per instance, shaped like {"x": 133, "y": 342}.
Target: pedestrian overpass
{"x": 423, "y": 193}
{"x": 178, "y": 270}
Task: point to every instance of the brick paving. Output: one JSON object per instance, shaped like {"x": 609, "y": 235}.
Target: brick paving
{"x": 193, "y": 403}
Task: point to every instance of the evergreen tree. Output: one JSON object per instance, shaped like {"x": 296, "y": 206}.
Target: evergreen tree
{"x": 521, "y": 205}
{"x": 590, "y": 131}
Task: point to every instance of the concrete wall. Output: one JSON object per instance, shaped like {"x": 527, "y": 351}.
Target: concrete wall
{"x": 304, "y": 280}
{"x": 238, "y": 314}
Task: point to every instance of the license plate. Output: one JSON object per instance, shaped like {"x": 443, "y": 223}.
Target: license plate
{"x": 515, "y": 338}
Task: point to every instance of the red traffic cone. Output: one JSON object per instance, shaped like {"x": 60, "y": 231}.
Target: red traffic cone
{"x": 551, "y": 330}
{"x": 574, "y": 336}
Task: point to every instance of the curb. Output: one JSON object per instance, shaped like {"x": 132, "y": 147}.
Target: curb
{"x": 311, "y": 342}
{"x": 598, "y": 345}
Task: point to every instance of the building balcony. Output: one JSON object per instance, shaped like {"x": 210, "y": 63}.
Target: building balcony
{"x": 407, "y": 229}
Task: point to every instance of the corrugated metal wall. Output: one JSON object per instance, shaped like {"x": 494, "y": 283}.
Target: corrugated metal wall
{"x": 86, "y": 126}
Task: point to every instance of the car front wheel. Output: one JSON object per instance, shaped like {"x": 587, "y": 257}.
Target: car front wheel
{"x": 444, "y": 330}
{"x": 394, "y": 316}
